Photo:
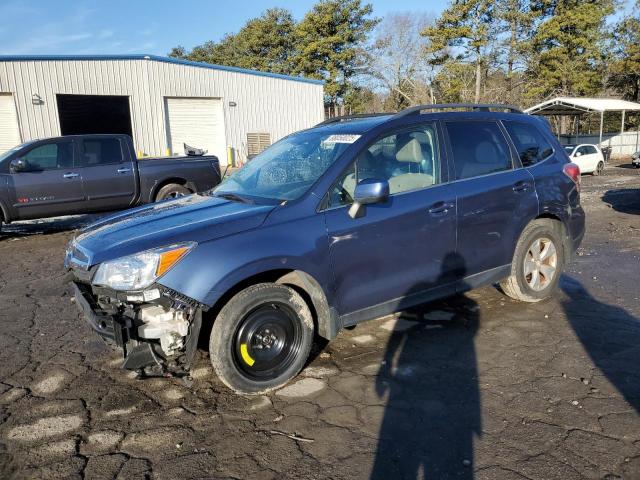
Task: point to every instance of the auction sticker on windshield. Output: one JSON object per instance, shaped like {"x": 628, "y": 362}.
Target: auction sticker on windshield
{"x": 341, "y": 138}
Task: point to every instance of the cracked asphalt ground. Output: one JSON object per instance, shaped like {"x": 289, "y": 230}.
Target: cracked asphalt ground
{"x": 477, "y": 386}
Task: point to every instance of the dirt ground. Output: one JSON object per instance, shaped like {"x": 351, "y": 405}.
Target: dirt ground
{"x": 477, "y": 386}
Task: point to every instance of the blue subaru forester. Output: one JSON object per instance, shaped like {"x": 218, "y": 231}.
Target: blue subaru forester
{"x": 344, "y": 222}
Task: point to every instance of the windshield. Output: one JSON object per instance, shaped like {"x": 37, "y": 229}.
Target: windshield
{"x": 569, "y": 149}
{"x": 6, "y": 154}
{"x": 287, "y": 169}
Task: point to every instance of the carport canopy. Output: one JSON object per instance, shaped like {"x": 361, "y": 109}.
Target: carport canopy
{"x": 581, "y": 105}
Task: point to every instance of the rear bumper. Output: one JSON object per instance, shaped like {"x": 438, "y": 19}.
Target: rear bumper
{"x": 576, "y": 228}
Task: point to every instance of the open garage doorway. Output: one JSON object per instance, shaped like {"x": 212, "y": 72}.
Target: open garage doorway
{"x": 89, "y": 114}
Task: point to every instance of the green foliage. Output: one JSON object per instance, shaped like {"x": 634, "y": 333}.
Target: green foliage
{"x": 264, "y": 43}
{"x": 624, "y": 67}
{"x": 462, "y": 33}
{"x": 324, "y": 45}
{"x": 328, "y": 41}
{"x": 568, "y": 47}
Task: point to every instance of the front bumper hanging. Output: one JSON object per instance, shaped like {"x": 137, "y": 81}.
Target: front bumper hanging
{"x": 159, "y": 336}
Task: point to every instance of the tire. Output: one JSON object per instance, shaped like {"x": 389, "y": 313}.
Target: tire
{"x": 261, "y": 338}
{"x": 599, "y": 169}
{"x": 521, "y": 284}
{"x": 172, "y": 190}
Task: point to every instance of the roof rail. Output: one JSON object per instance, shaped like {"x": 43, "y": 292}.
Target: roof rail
{"x": 329, "y": 121}
{"x": 482, "y": 107}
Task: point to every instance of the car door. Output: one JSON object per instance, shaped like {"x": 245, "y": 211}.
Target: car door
{"x": 50, "y": 184}
{"x": 404, "y": 247}
{"x": 495, "y": 196}
{"x": 108, "y": 174}
{"x": 582, "y": 158}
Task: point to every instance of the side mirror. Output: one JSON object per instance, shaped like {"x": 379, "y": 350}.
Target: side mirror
{"x": 578, "y": 154}
{"x": 17, "y": 165}
{"x": 368, "y": 192}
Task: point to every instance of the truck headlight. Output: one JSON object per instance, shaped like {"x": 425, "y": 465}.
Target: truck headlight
{"x": 140, "y": 270}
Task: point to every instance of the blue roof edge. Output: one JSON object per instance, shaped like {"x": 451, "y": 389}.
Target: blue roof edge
{"x": 156, "y": 58}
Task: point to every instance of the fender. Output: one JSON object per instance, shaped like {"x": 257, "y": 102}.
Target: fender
{"x": 4, "y": 211}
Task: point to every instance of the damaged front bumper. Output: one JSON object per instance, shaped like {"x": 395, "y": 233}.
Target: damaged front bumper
{"x": 157, "y": 330}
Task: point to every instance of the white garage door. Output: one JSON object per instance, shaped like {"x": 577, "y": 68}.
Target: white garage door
{"x": 9, "y": 131}
{"x": 198, "y": 122}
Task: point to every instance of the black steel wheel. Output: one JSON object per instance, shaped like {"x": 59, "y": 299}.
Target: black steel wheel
{"x": 261, "y": 338}
{"x": 268, "y": 341}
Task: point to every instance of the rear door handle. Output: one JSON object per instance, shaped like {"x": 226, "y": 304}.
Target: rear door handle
{"x": 440, "y": 208}
{"x": 71, "y": 175}
{"x": 123, "y": 170}
{"x": 520, "y": 186}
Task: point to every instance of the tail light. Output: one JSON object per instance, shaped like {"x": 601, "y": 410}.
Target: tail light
{"x": 572, "y": 171}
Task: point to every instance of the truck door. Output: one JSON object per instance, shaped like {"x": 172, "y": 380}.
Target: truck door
{"x": 49, "y": 185}
{"x": 108, "y": 173}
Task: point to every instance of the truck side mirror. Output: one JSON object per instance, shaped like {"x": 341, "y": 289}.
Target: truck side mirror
{"x": 18, "y": 165}
{"x": 368, "y": 192}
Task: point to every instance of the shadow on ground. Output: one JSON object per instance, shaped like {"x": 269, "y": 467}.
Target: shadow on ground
{"x": 611, "y": 338}
{"x": 432, "y": 414}
{"x": 625, "y": 200}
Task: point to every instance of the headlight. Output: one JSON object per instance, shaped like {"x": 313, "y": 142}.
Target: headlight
{"x": 138, "y": 271}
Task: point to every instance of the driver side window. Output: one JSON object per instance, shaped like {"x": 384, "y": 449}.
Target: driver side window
{"x": 52, "y": 156}
{"x": 408, "y": 160}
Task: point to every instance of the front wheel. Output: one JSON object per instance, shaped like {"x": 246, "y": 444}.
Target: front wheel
{"x": 599, "y": 169}
{"x": 261, "y": 338}
{"x": 537, "y": 263}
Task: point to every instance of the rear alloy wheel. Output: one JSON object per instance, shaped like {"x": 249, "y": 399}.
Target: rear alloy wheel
{"x": 537, "y": 262}
{"x": 173, "y": 190}
{"x": 261, "y": 339}
{"x": 599, "y": 169}
{"x": 540, "y": 264}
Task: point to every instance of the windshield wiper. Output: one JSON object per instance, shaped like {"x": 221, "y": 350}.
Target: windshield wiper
{"x": 233, "y": 197}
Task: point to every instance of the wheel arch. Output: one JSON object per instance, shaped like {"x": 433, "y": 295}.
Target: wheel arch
{"x": 167, "y": 181}
{"x": 325, "y": 317}
{"x": 564, "y": 231}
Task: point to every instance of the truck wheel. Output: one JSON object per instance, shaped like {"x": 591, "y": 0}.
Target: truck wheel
{"x": 537, "y": 262}
{"x": 599, "y": 169}
{"x": 261, "y": 338}
{"x": 172, "y": 190}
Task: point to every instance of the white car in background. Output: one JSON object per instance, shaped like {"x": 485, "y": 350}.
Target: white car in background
{"x": 587, "y": 156}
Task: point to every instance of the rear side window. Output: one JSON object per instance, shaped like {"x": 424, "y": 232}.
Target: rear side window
{"x": 531, "y": 145}
{"x": 101, "y": 151}
{"x": 479, "y": 148}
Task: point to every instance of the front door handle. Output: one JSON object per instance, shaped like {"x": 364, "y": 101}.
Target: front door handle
{"x": 123, "y": 170}
{"x": 520, "y": 186}
{"x": 440, "y": 208}
{"x": 71, "y": 175}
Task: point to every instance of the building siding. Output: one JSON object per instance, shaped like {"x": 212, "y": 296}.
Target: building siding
{"x": 278, "y": 106}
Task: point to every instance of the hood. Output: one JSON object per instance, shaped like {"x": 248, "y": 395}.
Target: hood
{"x": 195, "y": 218}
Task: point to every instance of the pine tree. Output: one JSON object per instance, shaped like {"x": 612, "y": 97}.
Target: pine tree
{"x": 462, "y": 33}
{"x": 624, "y": 67}
{"x": 328, "y": 42}
{"x": 567, "y": 47}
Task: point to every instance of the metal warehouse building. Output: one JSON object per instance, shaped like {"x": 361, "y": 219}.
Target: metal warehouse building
{"x": 161, "y": 102}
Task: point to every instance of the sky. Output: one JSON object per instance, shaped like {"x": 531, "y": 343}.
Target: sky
{"x": 80, "y": 27}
